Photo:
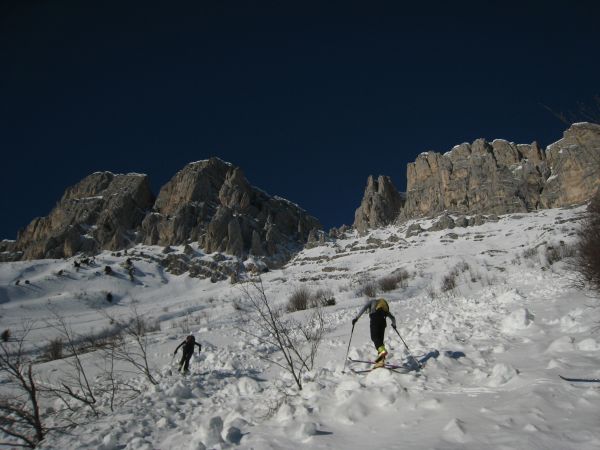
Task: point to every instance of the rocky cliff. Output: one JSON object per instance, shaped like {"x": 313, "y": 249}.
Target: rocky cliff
{"x": 380, "y": 205}
{"x": 497, "y": 177}
{"x": 103, "y": 211}
{"x": 212, "y": 203}
{"x": 209, "y": 202}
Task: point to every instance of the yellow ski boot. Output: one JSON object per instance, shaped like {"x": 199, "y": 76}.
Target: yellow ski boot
{"x": 381, "y": 354}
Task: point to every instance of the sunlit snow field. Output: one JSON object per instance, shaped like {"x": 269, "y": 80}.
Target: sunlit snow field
{"x": 504, "y": 333}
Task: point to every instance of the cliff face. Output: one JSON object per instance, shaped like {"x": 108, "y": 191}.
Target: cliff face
{"x": 497, "y": 177}
{"x": 212, "y": 203}
{"x": 574, "y": 163}
{"x": 209, "y": 202}
{"x": 103, "y": 211}
{"x": 380, "y": 205}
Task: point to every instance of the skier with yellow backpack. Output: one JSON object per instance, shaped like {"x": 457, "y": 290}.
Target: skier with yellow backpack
{"x": 378, "y": 311}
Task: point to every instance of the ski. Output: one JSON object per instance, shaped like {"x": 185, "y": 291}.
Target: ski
{"x": 406, "y": 366}
{"x": 387, "y": 365}
{"x": 581, "y": 380}
{"x": 365, "y": 371}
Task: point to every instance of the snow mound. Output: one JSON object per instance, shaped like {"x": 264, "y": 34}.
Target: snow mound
{"x": 588, "y": 345}
{"x": 501, "y": 374}
{"x": 562, "y": 344}
{"x": 571, "y": 323}
{"x": 511, "y": 296}
{"x": 211, "y": 434}
{"x": 179, "y": 390}
{"x": 519, "y": 319}
{"x": 455, "y": 432}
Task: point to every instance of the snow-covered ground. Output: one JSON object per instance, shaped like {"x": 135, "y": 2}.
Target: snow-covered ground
{"x": 511, "y": 324}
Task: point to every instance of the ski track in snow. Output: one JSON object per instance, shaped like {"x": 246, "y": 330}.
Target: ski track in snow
{"x": 509, "y": 328}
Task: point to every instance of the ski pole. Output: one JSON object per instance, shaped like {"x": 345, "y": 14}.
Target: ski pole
{"x": 348, "y": 350}
{"x": 408, "y": 350}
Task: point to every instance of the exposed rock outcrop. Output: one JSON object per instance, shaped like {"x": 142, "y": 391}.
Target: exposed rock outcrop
{"x": 212, "y": 203}
{"x": 380, "y": 205}
{"x": 481, "y": 177}
{"x": 501, "y": 177}
{"x": 575, "y": 167}
{"x": 209, "y": 202}
{"x": 497, "y": 177}
{"x": 102, "y": 211}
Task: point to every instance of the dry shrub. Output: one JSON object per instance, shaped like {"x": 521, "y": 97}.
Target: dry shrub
{"x": 388, "y": 283}
{"x": 555, "y": 253}
{"x": 587, "y": 261}
{"x": 397, "y": 278}
{"x": 323, "y": 297}
{"x": 448, "y": 282}
{"x": 299, "y": 300}
{"x": 368, "y": 289}
{"x": 54, "y": 349}
{"x": 530, "y": 253}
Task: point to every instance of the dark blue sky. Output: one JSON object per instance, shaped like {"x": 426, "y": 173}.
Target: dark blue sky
{"x": 308, "y": 99}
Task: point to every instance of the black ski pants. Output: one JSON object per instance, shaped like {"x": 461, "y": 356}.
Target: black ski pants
{"x": 378, "y": 325}
{"x": 185, "y": 360}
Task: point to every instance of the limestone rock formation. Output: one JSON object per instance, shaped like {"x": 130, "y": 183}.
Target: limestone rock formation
{"x": 100, "y": 212}
{"x": 380, "y": 205}
{"x": 212, "y": 203}
{"x": 501, "y": 177}
{"x": 497, "y": 177}
{"x": 575, "y": 166}
{"x": 209, "y": 202}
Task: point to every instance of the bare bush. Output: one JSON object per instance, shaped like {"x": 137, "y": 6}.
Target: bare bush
{"x": 388, "y": 283}
{"x": 587, "y": 261}
{"x": 20, "y": 417}
{"x": 54, "y": 349}
{"x": 74, "y": 390}
{"x": 289, "y": 344}
{"x": 583, "y": 112}
{"x": 431, "y": 293}
{"x": 367, "y": 288}
{"x": 299, "y": 300}
{"x": 448, "y": 282}
{"x": 462, "y": 266}
{"x": 323, "y": 297}
{"x": 397, "y": 278}
{"x": 555, "y": 253}
{"x": 530, "y": 253}
{"x": 131, "y": 345}
{"x": 474, "y": 276}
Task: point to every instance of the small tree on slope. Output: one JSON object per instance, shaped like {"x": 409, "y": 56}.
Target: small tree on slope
{"x": 284, "y": 342}
{"x": 20, "y": 416}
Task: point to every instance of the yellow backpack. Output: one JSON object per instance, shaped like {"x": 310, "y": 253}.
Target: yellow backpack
{"x": 382, "y": 304}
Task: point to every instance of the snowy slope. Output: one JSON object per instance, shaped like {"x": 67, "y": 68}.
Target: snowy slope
{"x": 504, "y": 333}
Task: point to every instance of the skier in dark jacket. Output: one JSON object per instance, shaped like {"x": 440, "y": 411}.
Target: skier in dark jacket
{"x": 188, "y": 351}
{"x": 378, "y": 311}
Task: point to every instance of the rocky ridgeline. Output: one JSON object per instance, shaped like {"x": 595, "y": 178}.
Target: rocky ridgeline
{"x": 209, "y": 202}
{"x": 489, "y": 178}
